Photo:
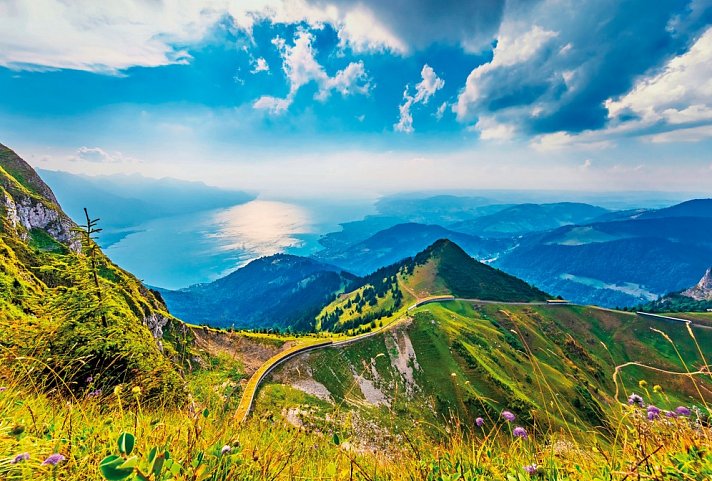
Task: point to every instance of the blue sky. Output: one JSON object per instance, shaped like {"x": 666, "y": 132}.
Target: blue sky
{"x": 329, "y": 97}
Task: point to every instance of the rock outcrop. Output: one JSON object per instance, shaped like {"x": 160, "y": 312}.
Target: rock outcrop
{"x": 703, "y": 290}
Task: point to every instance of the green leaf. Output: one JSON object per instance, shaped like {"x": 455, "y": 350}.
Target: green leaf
{"x": 126, "y": 443}
{"x": 157, "y": 466}
{"x": 206, "y": 412}
{"x": 130, "y": 463}
{"x": 152, "y": 454}
{"x": 111, "y": 468}
{"x": 336, "y": 439}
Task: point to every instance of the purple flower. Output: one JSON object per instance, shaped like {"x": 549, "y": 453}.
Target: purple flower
{"x": 480, "y": 422}
{"x": 54, "y": 459}
{"x": 95, "y": 393}
{"x": 508, "y": 416}
{"x": 520, "y": 432}
{"x": 653, "y": 413}
{"x": 635, "y": 399}
{"x": 90, "y": 380}
{"x": 670, "y": 414}
{"x": 225, "y": 449}
{"x": 531, "y": 468}
{"x": 20, "y": 457}
{"x": 682, "y": 411}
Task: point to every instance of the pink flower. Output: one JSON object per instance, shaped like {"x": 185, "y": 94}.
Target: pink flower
{"x": 54, "y": 459}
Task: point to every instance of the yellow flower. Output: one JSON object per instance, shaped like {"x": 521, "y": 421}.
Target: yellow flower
{"x": 657, "y": 388}
{"x": 117, "y": 390}
{"x": 136, "y": 390}
{"x": 642, "y": 383}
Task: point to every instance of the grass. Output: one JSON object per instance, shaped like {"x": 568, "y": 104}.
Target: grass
{"x": 84, "y": 430}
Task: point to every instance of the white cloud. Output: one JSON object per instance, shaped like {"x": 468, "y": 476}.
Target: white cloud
{"x": 564, "y": 141}
{"x": 301, "y": 68}
{"x": 681, "y": 93}
{"x": 692, "y": 134}
{"x": 512, "y": 49}
{"x": 260, "y": 65}
{"x": 490, "y": 129}
{"x": 98, "y": 155}
{"x": 441, "y": 111}
{"x": 424, "y": 90}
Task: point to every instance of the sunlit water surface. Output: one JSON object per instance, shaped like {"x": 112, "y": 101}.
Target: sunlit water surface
{"x": 179, "y": 251}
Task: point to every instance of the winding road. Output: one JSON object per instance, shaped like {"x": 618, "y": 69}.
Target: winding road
{"x": 248, "y": 396}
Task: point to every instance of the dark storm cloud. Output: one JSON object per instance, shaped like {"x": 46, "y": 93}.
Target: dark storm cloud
{"x": 420, "y": 23}
{"x": 598, "y": 49}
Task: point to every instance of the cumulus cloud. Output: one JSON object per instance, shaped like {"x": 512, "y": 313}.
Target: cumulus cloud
{"x": 260, "y": 65}
{"x": 680, "y": 94}
{"x": 557, "y": 76}
{"x": 300, "y": 67}
{"x": 426, "y": 88}
{"x": 407, "y": 25}
{"x": 99, "y": 156}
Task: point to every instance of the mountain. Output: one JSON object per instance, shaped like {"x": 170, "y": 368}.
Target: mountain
{"x": 66, "y": 309}
{"x": 278, "y": 291}
{"x": 524, "y": 218}
{"x": 690, "y": 208}
{"x": 124, "y": 202}
{"x": 443, "y": 268}
{"x": 697, "y": 298}
{"x": 622, "y": 262}
{"x": 404, "y": 240}
{"x": 551, "y": 366}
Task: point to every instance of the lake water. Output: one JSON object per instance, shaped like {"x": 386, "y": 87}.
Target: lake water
{"x": 179, "y": 251}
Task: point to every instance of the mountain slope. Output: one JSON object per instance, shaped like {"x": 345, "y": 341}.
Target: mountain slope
{"x": 395, "y": 243}
{"x": 57, "y": 289}
{"x": 619, "y": 263}
{"x": 278, "y": 291}
{"x": 697, "y": 298}
{"x": 552, "y": 366}
{"x": 441, "y": 269}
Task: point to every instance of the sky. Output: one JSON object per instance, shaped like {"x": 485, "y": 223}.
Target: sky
{"x": 364, "y": 98}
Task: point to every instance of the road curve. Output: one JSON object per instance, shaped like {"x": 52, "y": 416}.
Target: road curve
{"x": 248, "y": 396}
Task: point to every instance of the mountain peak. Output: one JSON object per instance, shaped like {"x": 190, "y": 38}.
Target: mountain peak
{"x": 464, "y": 276}
{"x": 703, "y": 290}
{"x": 24, "y": 174}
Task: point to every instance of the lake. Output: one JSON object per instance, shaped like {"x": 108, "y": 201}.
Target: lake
{"x": 179, "y": 251}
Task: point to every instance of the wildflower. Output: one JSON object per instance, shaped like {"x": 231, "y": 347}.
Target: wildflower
{"x": 670, "y": 414}
{"x": 136, "y": 391}
{"x": 531, "y": 468}
{"x": 90, "y": 380}
{"x": 20, "y": 457}
{"x": 635, "y": 399}
{"x": 95, "y": 393}
{"x": 54, "y": 459}
{"x": 682, "y": 411}
{"x": 520, "y": 432}
{"x": 453, "y": 374}
{"x": 225, "y": 449}
{"x": 480, "y": 422}
{"x": 653, "y": 413}
{"x": 508, "y": 416}
{"x": 657, "y": 388}
{"x": 642, "y": 383}
{"x": 117, "y": 390}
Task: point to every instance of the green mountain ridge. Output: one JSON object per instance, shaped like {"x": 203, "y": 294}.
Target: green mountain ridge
{"x": 60, "y": 291}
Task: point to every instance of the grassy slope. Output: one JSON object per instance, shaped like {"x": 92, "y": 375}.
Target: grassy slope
{"x": 53, "y": 323}
{"x": 554, "y": 367}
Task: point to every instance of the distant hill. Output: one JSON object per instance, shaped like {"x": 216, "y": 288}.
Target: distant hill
{"x": 525, "y": 218}
{"x": 404, "y": 240}
{"x": 443, "y": 268}
{"x": 278, "y": 291}
{"x": 697, "y": 298}
{"x": 620, "y": 262}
